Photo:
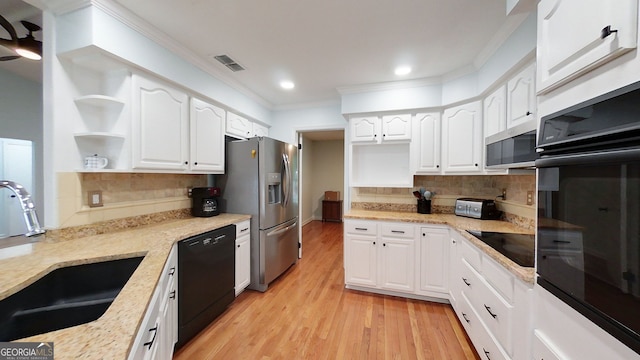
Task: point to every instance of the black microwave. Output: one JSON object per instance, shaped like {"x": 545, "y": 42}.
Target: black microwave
{"x": 513, "y": 148}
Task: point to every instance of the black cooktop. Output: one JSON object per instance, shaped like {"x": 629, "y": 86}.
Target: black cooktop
{"x": 517, "y": 247}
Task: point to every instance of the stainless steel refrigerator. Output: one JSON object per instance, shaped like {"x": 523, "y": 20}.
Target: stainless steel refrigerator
{"x": 261, "y": 179}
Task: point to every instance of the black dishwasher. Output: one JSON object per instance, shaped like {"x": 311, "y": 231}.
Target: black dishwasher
{"x": 206, "y": 279}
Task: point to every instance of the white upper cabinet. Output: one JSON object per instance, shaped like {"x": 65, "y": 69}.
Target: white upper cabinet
{"x": 160, "y": 132}
{"x": 239, "y": 126}
{"x": 575, "y": 36}
{"x": 462, "y": 138}
{"x": 396, "y": 127}
{"x": 207, "y": 137}
{"x": 259, "y": 130}
{"x": 521, "y": 97}
{"x": 365, "y": 129}
{"x": 495, "y": 112}
{"x": 428, "y": 125}
{"x": 375, "y": 129}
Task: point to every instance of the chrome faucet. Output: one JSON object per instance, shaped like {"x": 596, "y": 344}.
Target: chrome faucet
{"x": 29, "y": 210}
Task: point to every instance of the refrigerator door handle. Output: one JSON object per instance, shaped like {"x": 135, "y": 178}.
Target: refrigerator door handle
{"x": 286, "y": 184}
{"x": 281, "y": 230}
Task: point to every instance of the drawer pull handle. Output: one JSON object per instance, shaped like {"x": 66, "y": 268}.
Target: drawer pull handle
{"x": 464, "y": 316}
{"x": 466, "y": 282}
{"x": 173, "y": 295}
{"x": 155, "y": 332}
{"x": 489, "y": 311}
{"x": 486, "y": 353}
{"x": 172, "y": 271}
{"x": 362, "y": 229}
{"x": 374, "y": 243}
{"x": 245, "y": 229}
{"x": 397, "y": 231}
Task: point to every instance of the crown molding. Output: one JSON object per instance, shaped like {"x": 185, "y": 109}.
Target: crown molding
{"x": 392, "y": 85}
{"x": 143, "y": 27}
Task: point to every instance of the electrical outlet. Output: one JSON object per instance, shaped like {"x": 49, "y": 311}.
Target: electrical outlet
{"x": 529, "y": 197}
{"x": 95, "y": 198}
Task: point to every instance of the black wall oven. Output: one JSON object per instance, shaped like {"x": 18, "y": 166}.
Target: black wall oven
{"x": 588, "y": 248}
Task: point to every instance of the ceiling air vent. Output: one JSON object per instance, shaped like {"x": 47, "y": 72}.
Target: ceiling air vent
{"x": 229, "y": 62}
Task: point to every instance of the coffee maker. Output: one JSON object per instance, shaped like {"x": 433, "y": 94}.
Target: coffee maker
{"x": 204, "y": 201}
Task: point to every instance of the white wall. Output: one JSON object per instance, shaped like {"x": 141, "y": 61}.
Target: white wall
{"x": 21, "y": 118}
{"x": 285, "y": 123}
{"x": 328, "y": 172}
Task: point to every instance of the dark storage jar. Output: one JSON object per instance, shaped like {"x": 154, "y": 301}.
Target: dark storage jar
{"x": 424, "y": 206}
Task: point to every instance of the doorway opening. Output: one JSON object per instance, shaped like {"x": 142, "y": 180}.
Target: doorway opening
{"x": 17, "y": 166}
{"x": 321, "y": 164}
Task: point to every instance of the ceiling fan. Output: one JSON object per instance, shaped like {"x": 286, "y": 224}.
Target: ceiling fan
{"x": 27, "y": 46}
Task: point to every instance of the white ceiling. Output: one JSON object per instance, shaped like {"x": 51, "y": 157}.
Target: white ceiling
{"x": 328, "y": 44}
{"x": 320, "y": 45}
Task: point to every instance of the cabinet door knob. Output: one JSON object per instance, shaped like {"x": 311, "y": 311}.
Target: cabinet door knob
{"x": 238, "y": 245}
{"x": 606, "y": 31}
{"x": 195, "y": 163}
{"x": 437, "y": 166}
{"x": 374, "y": 243}
{"x": 186, "y": 163}
{"x": 476, "y": 165}
{"x": 528, "y": 113}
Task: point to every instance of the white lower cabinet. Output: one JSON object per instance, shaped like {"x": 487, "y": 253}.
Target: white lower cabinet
{"x": 434, "y": 260}
{"x": 561, "y": 332}
{"x": 493, "y": 302}
{"x": 380, "y": 255}
{"x": 243, "y": 256}
{"x": 158, "y": 332}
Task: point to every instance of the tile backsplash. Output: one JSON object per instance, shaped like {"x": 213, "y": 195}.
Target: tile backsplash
{"x": 448, "y": 188}
{"x": 123, "y": 195}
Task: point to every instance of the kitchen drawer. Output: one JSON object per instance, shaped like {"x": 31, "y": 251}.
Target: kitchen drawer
{"x": 472, "y": 254}
{"x": 486, "y": 345}
{"x": 498, "y": 278}
{"x": 169, "y": 271}
{"x": 496, "y": 314}
{"x": 397, "y": 231}
{"x": 243, "y": 228}
{"x": 469, "y": 280}
{"x": 360, "y": 228}
{"x": 467, "y": 316}
{"x": 542, "y": 348}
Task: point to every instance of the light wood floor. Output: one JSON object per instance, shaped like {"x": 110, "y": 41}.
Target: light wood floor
{"x": 308, "y": 314}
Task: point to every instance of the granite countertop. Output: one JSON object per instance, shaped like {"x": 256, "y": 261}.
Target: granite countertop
{"x": 460, "y": 224}
{"x": 112, "y": 335}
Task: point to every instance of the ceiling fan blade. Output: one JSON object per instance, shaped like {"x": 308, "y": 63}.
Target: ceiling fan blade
{"x": 10, "y": 29}
{"x": 30, "y": 26}
{"x": 11, "y": 57}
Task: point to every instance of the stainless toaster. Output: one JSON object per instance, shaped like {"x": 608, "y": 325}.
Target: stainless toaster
{"x": 477, "y": 208}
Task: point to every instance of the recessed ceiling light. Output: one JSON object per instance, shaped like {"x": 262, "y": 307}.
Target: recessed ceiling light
{"x": 287, "y": 85}
{"x": 402, "y": 70}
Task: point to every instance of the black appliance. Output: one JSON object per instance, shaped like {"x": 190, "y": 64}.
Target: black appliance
{"x": 588, "y": 251}
{"x": 206, "y": 279}
{"x": 477, "y": 208}
{"x": 512, "y": 148}
{"x": 518, "y": 248}
{"x": 204, "y": 201}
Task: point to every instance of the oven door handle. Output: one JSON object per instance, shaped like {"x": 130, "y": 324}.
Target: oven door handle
{"x": 612, "y": 156}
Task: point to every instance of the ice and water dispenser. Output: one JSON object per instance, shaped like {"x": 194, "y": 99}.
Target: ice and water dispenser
{"x": 274, "y": 188}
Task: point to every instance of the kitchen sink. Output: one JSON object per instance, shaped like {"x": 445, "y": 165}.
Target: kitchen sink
{"x": 63, "y": 298}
